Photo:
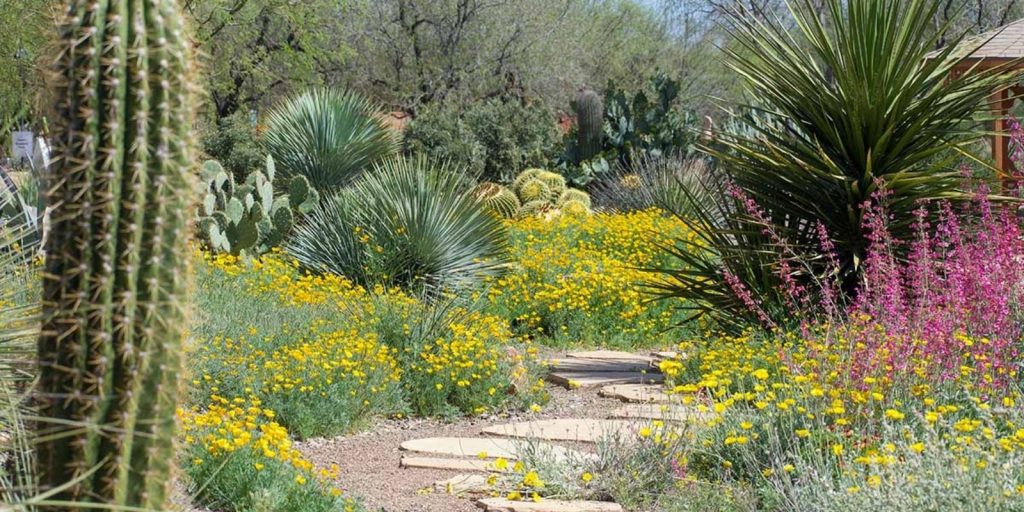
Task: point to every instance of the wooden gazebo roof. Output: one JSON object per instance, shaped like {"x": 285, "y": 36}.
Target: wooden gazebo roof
{"x": 998, "y": 47}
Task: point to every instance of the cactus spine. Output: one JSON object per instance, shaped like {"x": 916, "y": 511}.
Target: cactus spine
{"x": 117, "y": 256}
{"x": 555, "y": 182}
{"x": 589, "y": 125}
{"x": 574, "y": 195}
{"x": 498, "y": 199}
{"x": 534, "y": 190}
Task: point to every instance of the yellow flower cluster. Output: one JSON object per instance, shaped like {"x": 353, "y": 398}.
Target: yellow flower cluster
{"x": 226, "y": 426}
{"x": 582, "y": 276}
{"x": 471, "y": 354}
{"x": 806, "y": 390}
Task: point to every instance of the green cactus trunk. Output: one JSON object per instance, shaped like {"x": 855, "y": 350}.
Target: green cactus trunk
{"x": 117, "y": 256}
{"x": 589, "y": 125}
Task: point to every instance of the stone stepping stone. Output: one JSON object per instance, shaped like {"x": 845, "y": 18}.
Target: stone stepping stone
{"x": 662, "y": 356}
{"x": 485, "y": 448}
{"x": 663, "y": 412}
{"x": 462, "y": 484}
{"x": 611, "y": 355}
{"x": 576, "y": 430}
{"x": 636, "y": 393}
{"x": 504, "y": 505}
{"x": 572, "y": 364}
{"x": 576, "y": 380}
{"x": 485, "y": 466}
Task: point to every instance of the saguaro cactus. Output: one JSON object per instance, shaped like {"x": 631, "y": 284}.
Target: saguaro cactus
{"x": 116, "y": 259}
{"x": 589, "y": 125}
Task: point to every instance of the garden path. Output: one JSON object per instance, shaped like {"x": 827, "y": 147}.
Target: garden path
{"x": 426, "y": 465}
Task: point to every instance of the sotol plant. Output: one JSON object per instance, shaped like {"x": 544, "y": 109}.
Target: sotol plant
{"x": 250, "y": 217}
{"x": 116, "y": 273}
{"x": 328, "y": 136}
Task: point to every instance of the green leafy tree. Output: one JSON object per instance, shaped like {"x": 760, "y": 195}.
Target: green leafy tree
{"x": 259, "y": 50}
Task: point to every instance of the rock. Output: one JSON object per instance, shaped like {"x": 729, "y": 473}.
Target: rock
{"x": 611, "y": 355}
{"x": 487, "y": 448}
{"x": 667, "y": 355}
{"x": 448, "y": 464}
{"x": 503, "y": 505}
{"x": 575, "y": 380}
{"x": 663, "y": 412}
{"x": 572, "y": 364}
{"x": 636, "y": 393}
{"x": 462, "y": 484}
{"x": 577, "y": 430}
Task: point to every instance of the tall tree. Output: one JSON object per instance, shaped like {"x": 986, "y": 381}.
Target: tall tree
{"x": 258, "y": 50}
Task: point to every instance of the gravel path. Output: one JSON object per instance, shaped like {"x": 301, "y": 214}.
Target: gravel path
{"x": 369, "y": 460}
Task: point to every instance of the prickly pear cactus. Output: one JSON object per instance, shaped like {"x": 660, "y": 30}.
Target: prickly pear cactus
{"x": 574, "y": 195}
{"x": 589, "y": 125}
{"x": 117, "y": 276}
{"x": 251, "y": 217}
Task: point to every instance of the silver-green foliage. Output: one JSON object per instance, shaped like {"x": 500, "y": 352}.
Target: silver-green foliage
{"x": 252, "y": 216}
{"x": 328, "y": 136}
{"x": 19, "y": 328}
{"x": 409, "y": 223}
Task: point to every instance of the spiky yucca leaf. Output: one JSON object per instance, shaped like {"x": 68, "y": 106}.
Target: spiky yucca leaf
{"x": 847, "y": 105}
{"x": 329, "y": 136}
{"x": 860, "y": 100}
{"x": 19, "y": 327}
{"x": 418, "y": 227}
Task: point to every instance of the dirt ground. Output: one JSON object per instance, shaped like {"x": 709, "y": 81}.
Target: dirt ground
{"x": 369, "y": 461}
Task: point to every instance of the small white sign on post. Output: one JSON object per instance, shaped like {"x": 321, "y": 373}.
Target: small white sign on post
{"x": 21, "y": 146}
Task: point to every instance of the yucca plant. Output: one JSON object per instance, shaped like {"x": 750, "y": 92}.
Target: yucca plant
{"x": 409, "y": 222}
{"x": 861, "y": 100}
{"x": 848, "y": 104}
{"x": 329, "y": 136}
{"x": 19, "y": 327}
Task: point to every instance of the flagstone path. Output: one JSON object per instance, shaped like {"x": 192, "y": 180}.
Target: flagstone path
{"x": 420, "y": 465}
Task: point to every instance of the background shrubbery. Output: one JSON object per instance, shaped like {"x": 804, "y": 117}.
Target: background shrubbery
{"x": 492, "y": 139}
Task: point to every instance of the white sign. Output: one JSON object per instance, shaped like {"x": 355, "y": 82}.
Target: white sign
{"x": 21, "y": 146}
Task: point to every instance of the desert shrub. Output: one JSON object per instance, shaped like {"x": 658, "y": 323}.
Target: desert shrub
{"x": 329, "y": 136}
{"x": 236, "y": 143}
{"x": 492, "y": 139}
{"x": 410, "y": 223}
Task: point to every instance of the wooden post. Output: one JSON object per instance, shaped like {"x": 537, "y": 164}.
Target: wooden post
{"x": 1000, "y": 142}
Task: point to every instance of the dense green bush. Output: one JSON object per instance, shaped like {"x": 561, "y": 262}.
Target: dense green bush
{"x": 329, "y": 136}
{"x": 236, "y": 143}
{"x": 409, "y": 223}
{"x": 493, "y": 139}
